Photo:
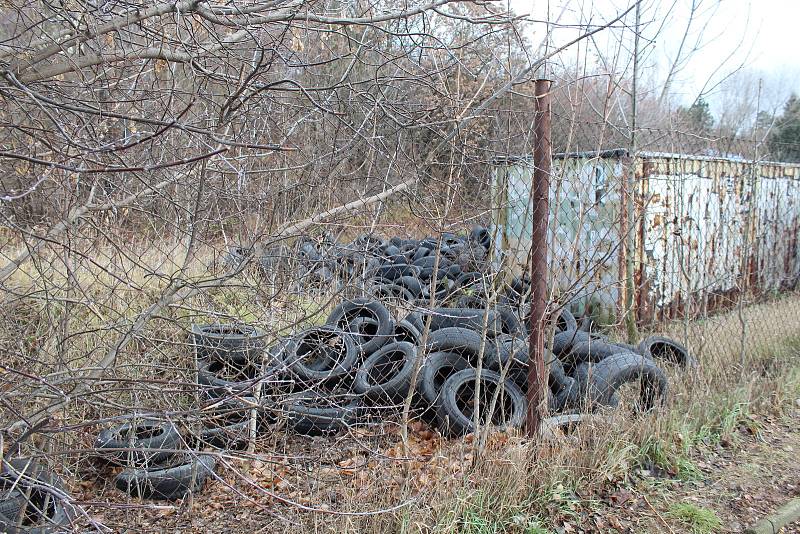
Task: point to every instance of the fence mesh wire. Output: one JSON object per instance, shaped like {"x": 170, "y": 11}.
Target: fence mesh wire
{"x": 249, "y": 263}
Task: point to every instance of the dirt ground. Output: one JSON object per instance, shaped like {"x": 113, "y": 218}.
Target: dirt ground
{"x": 741, "y": 481}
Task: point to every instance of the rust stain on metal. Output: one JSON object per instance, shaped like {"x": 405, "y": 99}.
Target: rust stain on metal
{"x": 705, "y": 229}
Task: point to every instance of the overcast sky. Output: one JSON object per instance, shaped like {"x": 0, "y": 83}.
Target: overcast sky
{"x": 755, "y": 36}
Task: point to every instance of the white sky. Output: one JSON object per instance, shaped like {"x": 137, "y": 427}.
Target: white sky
{"x": 757, "y": 37}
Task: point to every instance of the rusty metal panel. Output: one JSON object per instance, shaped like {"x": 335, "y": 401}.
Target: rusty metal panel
{"x": 708, "y": 229}
{"x": 778, "y": 216}
{"x": 710, "y": 235}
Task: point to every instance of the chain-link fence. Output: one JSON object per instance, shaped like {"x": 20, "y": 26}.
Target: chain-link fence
{"x": 265, "y": 268}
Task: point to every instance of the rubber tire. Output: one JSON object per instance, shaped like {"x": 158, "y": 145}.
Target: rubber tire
{"x": 465, "y": 318}
{"x": 364, "y": 307}
{"x": 455, "y": 423}
{"x": 563, "y": 341}
{"x": 167, "y": 482}
{"x": 417, "y": 320}
{"x": 503, "y": 348}
{"x": 393, "y": 387}
{"x": 566, "y": 396}
{"x": 420, "y": 253}
{"x": 228, "y": 342}
{"x": 411, "y": 283}
{"x": 307, "y": 418}
{"x": 357, "y": 333}
{"x": 472, "y": 302}
{"x": 227, "y": 427}
{"x": 390, "y": 292}
{"x": 21, "y": 474}
{"x": 461, "y": 341}
{"x": 594, "y": 350}
{"x": 510, "y": 323}
{"x": 608, "y": 375}
{"x": 325, "y": 369}
{"x": 405, "y": 331}
{"x": 427, "y": 263}
{"x": 431, "y": 376}
{"x": 394, "y": 271}
{"x": 469, "y": 279}
{"x": 216, "y": 388}
{"x": 677, "y": 353}
{"x": 481, "y": 236}
{"x": 582, "y": 374}
{"x": 565, "y": 321}
{"x": 139, "y": 450}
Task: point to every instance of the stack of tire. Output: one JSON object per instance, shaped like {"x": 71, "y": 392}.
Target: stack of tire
{"x": 409, "y": 270}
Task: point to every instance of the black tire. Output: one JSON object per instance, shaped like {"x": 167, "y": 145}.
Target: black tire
{"x": 582, "y": 375}
{"x": 391, "y": 250}
{"x": 427, "y": 263}
{"x": 411, "y": 283}
{"x": 364, "y": 307}
{"x": 437, "y": 368}
{"x": 452, "y": 272}
{"x": 33, "y": 494}
{"x": 563, "y": 341}
{"x": 420, "y": 253}
{"x": 170, "y": 480}
{"x": 481, "y": 236}
{"x": 472, "y": 302}
{"x": 313, "y": 413}
{"x": 509, "y": 321}
{"x": 469, "y": 279}
{"x": 219, "y": 379}
{"x": 362, "y": 330}
{"x": 556, "y": 376}
{"x": 226, "y": 425}
{"x": 235, "y": 343}
{"x": 466, "y": 318}
{"x": 593, "y": 351}
{"x": 567, "y": 423}
{"x": 324, "y": 354}
{"x": 142, "y": 442}
{"x": 387, "y": 373}
{"x": 417, "y": 320}
{"x": 395, "y": 271}
{"x": 565, "y": 321}
{"x": 461, "y": 341}
{"x": 392, "y": 293}
{"x": 566, "y": 395}
{"x": 606, "y": 377}
{"x": 455, "y": 415}
{"x": 406, "y": 331}
{"x": 504, "y": 348}
{"x": 666, "y": 350}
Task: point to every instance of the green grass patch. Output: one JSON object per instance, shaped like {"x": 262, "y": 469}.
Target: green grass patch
{"x": 697, "y": 519}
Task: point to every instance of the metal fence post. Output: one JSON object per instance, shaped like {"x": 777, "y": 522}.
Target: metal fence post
{"x": 540, "y": 192}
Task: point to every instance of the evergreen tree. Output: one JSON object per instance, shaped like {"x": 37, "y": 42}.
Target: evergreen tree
{"x": 784, "y": 140}
{"x": 697, "y": 118}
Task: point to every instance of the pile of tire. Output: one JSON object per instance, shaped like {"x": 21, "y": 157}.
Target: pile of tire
{"x": 363, "y": 364}
{"x": 394, "y": 268}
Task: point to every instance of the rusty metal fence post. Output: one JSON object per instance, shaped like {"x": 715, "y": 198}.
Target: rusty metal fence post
{"x": 540, "y": 192}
